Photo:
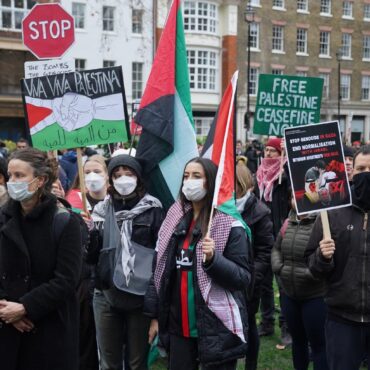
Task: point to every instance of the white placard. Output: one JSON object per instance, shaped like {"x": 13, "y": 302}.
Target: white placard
{"x": 48, "y": 68}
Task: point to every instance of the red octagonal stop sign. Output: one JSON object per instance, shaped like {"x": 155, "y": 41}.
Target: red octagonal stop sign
{"x": 48, "y": 31}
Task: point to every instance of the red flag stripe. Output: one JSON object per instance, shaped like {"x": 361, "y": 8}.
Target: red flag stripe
{"x": 36, "y": 114}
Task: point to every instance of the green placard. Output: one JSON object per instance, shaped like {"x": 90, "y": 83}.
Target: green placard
{"x": 76, "y": 109}
{"x": 286, "y": 101}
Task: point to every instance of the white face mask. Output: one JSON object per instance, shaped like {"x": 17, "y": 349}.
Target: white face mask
{"x": 193, "y": 190}
{"x": 125, "y": 185}
{"x": 19, "y": 190}
{"x": 94, "y": 182}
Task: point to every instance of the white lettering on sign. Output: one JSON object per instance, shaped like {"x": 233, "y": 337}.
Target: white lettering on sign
{"x": 46, "y": 29}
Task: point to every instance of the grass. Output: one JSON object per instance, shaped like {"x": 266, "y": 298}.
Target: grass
{"x": 269, "y": 358}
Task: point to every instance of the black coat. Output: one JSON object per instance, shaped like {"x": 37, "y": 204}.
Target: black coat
{"x": 145, "y": 227}
{"x": 258, "y": 217}
{"x": 348, "y": 273}
{"x": 42, "y": 274}
{"x": 216, "y": 344}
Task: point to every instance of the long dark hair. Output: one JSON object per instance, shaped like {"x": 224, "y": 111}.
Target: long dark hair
{"x": 210, "y": 171}
{"x": 42, "y": 165}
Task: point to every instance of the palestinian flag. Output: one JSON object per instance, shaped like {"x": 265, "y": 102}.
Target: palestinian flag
{"x": 220, "y": 148}
{"x": 168, "y": 139}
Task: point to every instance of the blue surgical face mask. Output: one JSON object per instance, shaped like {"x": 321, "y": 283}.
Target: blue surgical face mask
{"x": 19, "y": 190}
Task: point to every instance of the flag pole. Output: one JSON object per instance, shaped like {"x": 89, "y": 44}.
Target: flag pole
{"x": 209, "y": 229}
{"x": 82, "y": 180}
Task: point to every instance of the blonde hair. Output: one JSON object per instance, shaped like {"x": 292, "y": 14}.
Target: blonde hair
{"x": 244, "y": 177}
{"x": 98, "y": 159}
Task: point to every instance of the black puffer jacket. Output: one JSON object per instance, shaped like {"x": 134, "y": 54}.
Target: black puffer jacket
{"x": 216, "y": 344}
{"x": 258, "y": 217}
{"x": 289, "y": 263}
{"x": 348, "y": 272}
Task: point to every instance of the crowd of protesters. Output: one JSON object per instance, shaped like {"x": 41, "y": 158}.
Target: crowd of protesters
{"x": 93, "y": 286}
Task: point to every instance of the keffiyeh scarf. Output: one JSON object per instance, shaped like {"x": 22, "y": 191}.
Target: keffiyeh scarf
{"x": 219, "y": 300}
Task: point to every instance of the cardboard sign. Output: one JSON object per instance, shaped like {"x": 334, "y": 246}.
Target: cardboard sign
{"x": 77, "y": 109}
{"x": 317, "y": 169}
{"x": 48, "y": 68}
{"x": 285, "y": 101}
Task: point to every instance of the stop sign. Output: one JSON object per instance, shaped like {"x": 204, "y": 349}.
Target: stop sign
{"x": 48, "y": 31}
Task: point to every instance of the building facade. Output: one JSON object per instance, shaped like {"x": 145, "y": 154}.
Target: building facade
{"x": 322, "y": 38}
{"x": 211, "y": 41}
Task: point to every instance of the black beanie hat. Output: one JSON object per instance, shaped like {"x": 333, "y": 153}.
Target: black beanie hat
{"x": 347, "y": 151}
{"x": 125, "y": 160}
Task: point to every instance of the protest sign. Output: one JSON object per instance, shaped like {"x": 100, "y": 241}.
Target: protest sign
{"x": 76, "y": 109}
{"x": 316, "y": 165}
{"x": 285, "y": 101}
{"x": 48, "y": 68}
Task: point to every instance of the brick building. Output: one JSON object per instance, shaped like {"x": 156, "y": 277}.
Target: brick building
{"x": 302, "y": 37}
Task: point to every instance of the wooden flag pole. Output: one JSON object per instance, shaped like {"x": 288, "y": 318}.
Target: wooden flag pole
{"x": 82, "y": 180}
{"x": 325, "y": 224}
{"x": 281, "y": 165}
{"x": 209, "y": 229}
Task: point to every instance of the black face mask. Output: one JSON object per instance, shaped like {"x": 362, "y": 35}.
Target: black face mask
{"x": 361, "y": 183}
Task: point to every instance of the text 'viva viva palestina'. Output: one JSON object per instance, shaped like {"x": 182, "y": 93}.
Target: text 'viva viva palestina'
{"x": 84, "y": 83}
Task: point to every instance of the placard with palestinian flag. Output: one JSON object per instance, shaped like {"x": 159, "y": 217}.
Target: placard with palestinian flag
{"x": 76, "y": 109}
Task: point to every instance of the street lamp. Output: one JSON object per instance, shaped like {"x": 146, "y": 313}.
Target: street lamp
{"x": 249, "y": 18}
{"x": 339, "y": 59}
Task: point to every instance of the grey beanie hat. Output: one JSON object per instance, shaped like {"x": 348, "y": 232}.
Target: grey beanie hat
{"x": 125, "y": 160}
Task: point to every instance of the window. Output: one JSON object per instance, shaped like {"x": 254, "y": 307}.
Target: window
{"x": 325, "y": 7}
{"x": 324, "y": 43}
{"x": 346, "y": 45}
{"x": 108, "y": 18}
{"x": 277, "y": 71}
{"x": 301, "y": 40}
{"x": 80, "y": 64}
{"x": 367, "y": 11}
{"x": 365, "y": 88}
{"x": 108, "y": 63}
{"x": 366, "y": 47}
{"x": 325, "y": 88}
{"x": 253, "y": 81}
{"x": 301, "y": 73}
{"x": 137, "y": 21}
{"x": 347, "y": 9}
{"x": 278, "y": 3}
{"x": 137, "y": 80}
{"x": 12, "y": 13}
{"x": 202, "y": 69}
{"x": 254, "y": 38}
{"x": 302, "y": 5}
{"x": 277, "y": 38}
{"x": 345, "y": 85}
{"x": 78, "y": 12}
{"x": 202, "y": 125}
{"x": 200, "y": 16}
{"x": 255, "y": 2}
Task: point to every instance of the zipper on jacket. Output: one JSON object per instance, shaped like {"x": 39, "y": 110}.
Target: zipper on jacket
{"x": 363, "y": 292}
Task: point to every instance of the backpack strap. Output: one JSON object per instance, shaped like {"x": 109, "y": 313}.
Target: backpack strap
{"x": 60, "y": 221}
